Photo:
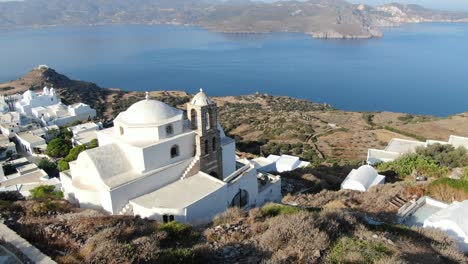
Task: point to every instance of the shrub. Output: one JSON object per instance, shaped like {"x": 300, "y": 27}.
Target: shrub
{"x": 405, "y": 165}
{"x": 41, "y": 208}
{"x": 58, "y": 148}
{"x": 354, "y": 250}
{"x": 74, "y": 152}
{"x": 63, "y": 165}
{"x": 446, "y": 155}
{"x": 178, "y": 255}
{"x": 93, "y": 144}
{"x": 447, "y": 189}
{"x": 178, "y": 232}
{"x": 47, "y": 165}
{"x": 231, "y": 215}
{"x": 295, "y": 238}
{"x": 45, "y": 191}
{"x": 272, "y": 210}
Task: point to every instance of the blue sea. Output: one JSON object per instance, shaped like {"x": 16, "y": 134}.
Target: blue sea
{"x": 421, "y": 69}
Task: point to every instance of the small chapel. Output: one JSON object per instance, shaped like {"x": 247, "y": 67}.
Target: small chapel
{"x": 160, "y": 163}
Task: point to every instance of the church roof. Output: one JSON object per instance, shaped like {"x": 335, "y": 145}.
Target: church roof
{"x": 201, "y": 99}
{"x": 182, "y": 193}
{"x": 150, "y": 112}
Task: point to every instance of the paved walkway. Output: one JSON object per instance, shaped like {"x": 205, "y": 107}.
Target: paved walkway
{"x": 24, "y": 246}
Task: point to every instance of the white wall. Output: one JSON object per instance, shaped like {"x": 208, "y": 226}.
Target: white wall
{"x": 121, "y": 195}
{"x": 204, "y": 210}
{"x": 229, "y": 159}
{"x": 159, "y": 154}
{"x": 247, "y": 182}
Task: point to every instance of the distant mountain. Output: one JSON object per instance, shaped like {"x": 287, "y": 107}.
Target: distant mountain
{"x": 319, "y": 18}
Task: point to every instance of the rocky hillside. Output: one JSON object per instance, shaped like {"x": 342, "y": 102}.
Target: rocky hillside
{"x": 331, "y": 232}
{"x": 318, "y": 18}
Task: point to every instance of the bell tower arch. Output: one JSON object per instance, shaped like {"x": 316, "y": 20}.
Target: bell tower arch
{"x": 203, "y": 116}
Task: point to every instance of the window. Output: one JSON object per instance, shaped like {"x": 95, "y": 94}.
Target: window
{"x": 193, "y": 119}
{"x": 214, "y": 144}
{"x": 174, "y": 151}
{"x": 121, "y": 131}
{"x": 169, "y": 130}
{"x": 165, "y": 219}
{"x": 241, "y": 199}
{"x": 207, "y": 148}
{"x": 208, "y": 119}
{"x": 171, "y": 218}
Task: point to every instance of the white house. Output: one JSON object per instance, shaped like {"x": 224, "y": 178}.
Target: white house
{"x": 84, "y": 133}
{"x": 453, "y": 221}
{"x": 362, "y": 179}
{"x": 31, "y": 143}
{"x": 61, "y": 114}
{"x": 275, "y": 163}
{"x": 156, "y": 164}
{"x": 31, "y": 100}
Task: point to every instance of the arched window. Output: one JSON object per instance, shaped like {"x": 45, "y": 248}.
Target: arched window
{"x": 121, "y": 131}
{"x": 241, "y": 199}
{"x": 208, "y": 119}
{"x": 211, "y": 118}
{"x": 174, "y": 151}
{"x": 207, "y": 148}
{"x": 214, "y": 144}
{"x": 169, "y": 130}
{"x": 165, "y": 219}
{"x": 193, "y": 119}
{"x": 171, "y": 218}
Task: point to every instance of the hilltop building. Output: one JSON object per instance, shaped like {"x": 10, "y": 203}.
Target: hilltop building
{"x": 30, "y": 100}
{"x": 279, "y": 164}
{"x": 48, "y": 110}
{"x": 157, "y": 164}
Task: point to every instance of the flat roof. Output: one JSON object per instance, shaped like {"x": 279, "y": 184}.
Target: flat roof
{"x": 404, "y": 146}
{"x": 182, "y": 193}
{"x": 30, "y": 138}
{"x": 85, "y": 137}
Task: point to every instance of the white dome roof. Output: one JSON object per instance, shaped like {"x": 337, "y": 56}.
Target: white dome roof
{"x": 201, "y": 99}
{"x": 150, "y": 112}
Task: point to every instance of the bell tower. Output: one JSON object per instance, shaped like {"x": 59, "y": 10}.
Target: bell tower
{"x": 202, "y": 113}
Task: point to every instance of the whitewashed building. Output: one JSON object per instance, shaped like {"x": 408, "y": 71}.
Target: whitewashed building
{"x": 84, "y": 133}
{"x": 31, "y": 143}
{"x": 31, "y": 100}
{"x": 155, "y": 163}
{"x": 275, "y": 163}
{"x": 397, "y": 147}
{"x": 362, "y": 179}
{"x": 61, "y": 114}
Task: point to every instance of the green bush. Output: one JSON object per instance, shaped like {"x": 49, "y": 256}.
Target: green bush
{"x": 177, "y": 231}
{"x": 405, "y": 133}
{"x": 58, "y": 148}
{"x": 45, "y": 191}
{"x": 63, "y": 165}
{"x": 47, "y": 165}
{"x": 446, "y": 155}
{"x": 354, "y": 250}
{"x": 406, "y": 164}
{"x": 74, "y": 152}
{"x": 272, "y": 210}
{"x": 93, "y": 144}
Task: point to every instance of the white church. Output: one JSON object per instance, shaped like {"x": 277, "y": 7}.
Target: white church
{"x": 158, "y": 164}
{"x": 49, "y": 110}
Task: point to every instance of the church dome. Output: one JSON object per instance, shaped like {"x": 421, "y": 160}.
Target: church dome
{"x": 201, "y": 99}
{"x": 150, "y": 112}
